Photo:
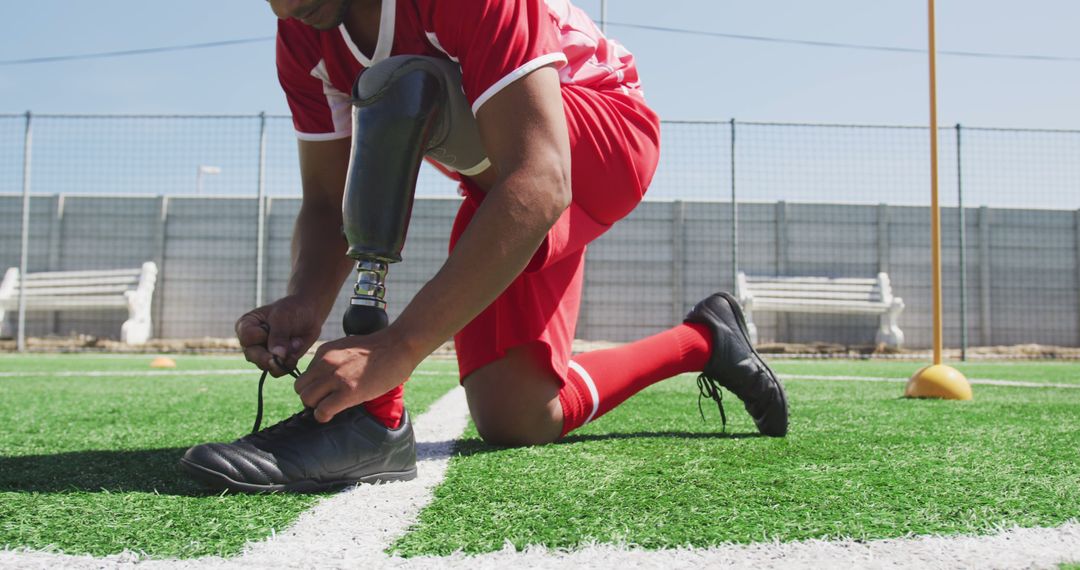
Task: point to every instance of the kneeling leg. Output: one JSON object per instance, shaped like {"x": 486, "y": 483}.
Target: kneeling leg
{"x": 514, "y": 401}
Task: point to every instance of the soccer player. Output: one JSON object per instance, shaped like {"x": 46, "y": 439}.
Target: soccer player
{"x": 569, "y": 147}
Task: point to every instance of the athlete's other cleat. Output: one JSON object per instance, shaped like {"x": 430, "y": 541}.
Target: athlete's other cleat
{"x": 301, "y": 455}
{"x": 735, "y": 365}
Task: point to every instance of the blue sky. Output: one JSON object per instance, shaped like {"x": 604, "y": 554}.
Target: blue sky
{"x": 686, "y": 77}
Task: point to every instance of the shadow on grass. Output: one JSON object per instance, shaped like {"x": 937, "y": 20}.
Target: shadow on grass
{"x": 145, "y": 470}
{"x": 474, "y": 446}
{"x": 657, "y": 434}
{"x": 157, "y": 470}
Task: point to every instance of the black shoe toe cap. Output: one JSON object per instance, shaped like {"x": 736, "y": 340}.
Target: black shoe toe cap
{"x": 232, "y": 462}
{"x": 770, "y": 413}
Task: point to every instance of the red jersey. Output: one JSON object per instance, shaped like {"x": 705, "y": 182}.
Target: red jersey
{"x": 494, "y": 41}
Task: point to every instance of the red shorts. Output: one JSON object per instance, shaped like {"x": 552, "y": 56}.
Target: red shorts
{"x": 614, "y": 146}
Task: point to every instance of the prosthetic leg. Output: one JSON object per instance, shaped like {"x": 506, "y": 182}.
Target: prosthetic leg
{"x": 404, "y": 108}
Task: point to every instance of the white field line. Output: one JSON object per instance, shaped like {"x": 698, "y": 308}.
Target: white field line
{"x": 1014, "y": 548}
{"x": 137, "y": 373}
{"x": 984, "y": 381}
{"x": 353, "y": 528}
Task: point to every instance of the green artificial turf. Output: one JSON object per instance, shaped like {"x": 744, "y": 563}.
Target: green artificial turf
{"x": 1051, "y": 372}
{"x": 88, "y": 465}
{"x": 859, "y": 462}
{"x": 65, "y": 363}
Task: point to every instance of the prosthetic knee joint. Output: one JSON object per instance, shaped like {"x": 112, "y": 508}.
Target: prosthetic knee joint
{"x": 404, "y": 108}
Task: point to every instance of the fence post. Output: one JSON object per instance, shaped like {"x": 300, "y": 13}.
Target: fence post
{"x": 678, "y": 257}
{"x": 160, "y": 250}
{"x": 963, "y": 248}
{"x": 734, "y": 215}
{"x": 985, "y": 328}
{"x": 783, "y": 332}
{"x": 20, "y": 342}
{"x": 883, "y": 237}
{"x": 267, "y": 214}
{"x": 781, "y": 237}
{"x": 260, "y": 235}
{"x": 56, "y": 236}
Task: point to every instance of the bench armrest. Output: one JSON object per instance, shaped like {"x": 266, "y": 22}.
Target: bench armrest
{"x": 7, "y": 286}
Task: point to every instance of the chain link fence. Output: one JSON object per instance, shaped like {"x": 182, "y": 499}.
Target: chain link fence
{"x": 211, "y": 201}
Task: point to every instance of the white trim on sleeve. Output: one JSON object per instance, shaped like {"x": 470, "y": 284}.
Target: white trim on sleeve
{"x": 527, "y": 68}
{"x": 323, "y": 136}
{"x": 339, "y": 103}
{"x": 434, "y": 40}
{"x": 590, "y": 385}
{"x": 477, "y": 169}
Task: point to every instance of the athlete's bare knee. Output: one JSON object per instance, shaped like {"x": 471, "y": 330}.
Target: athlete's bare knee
{"x": 514, "y": 401}
{"x": 507, "y": 432}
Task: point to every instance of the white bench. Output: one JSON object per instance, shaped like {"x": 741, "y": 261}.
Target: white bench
{"x": 110, "y": 289}
{"x": 839, "y": 295}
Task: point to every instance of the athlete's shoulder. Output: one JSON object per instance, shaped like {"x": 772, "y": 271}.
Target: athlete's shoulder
{"x": 297, "y": 45}
{"x": 293, "y": 32}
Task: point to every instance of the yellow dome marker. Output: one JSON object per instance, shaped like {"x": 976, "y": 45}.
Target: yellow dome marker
{"x": 937, "y": 380}
{"x": 162, "y": 362}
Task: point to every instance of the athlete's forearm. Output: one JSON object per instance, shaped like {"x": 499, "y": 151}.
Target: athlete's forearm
{"x": 319, "y": 263}
{"x": 500, "y": 240}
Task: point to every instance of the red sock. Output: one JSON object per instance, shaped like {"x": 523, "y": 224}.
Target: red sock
{"x": 389, "y": 407}
{"x": 598, "y": 381}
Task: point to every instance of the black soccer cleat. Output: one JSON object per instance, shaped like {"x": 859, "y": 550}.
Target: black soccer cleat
{"x": 303, "y": 456}
{"x": 735, "y": 365}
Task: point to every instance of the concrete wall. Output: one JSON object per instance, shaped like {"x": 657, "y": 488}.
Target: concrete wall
{"x": 1023, "y": 266}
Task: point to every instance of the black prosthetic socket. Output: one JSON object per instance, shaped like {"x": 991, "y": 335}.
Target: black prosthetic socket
{"x": 393, "y": 129}
{"x": 396, "y": 119}
{"x": 364, "y": 319}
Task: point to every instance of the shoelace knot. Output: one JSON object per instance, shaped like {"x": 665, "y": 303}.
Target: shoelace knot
{"x": 295, "y": 373}
{"x": 711, "y": 388}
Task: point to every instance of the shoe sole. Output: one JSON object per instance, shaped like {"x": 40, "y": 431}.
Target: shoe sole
{"x": 741, "y": 321}
{"x": 215, "y": 480}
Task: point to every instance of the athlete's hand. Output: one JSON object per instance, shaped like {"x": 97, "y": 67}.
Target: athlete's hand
{"x": 285, "y": 328}
{"x": 353, "y": 370}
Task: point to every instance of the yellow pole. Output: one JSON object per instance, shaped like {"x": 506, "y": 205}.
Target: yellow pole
{"x": 935, "y": 213}
{"x": 937, "y": 380}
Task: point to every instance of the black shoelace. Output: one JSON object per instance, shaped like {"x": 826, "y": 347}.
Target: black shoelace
{"x": 709, "y": 387}
{"x": 295, "y": 373}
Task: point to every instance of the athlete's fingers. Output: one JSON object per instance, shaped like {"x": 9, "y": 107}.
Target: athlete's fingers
{"x": 332, "y": 405}
{"x": 278, "y": 341}
{"x": 259, "y": 356}
{"x": 317, "y": 370}
{"x": 251, "y": 329}
{"x": 298, "y": 347}
{"x": 315, "y": 392}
